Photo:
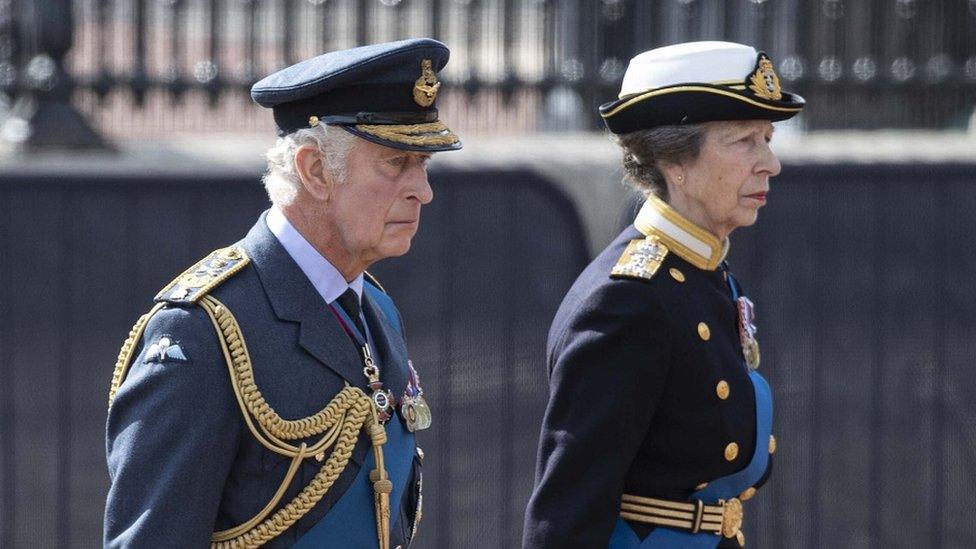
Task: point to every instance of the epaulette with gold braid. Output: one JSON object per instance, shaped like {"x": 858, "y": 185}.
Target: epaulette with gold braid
{"x": 641, "y": 259}
{"x": 206, "y": 275}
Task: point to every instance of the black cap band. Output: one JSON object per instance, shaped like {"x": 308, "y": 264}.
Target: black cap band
{"x": 381, "y": 118}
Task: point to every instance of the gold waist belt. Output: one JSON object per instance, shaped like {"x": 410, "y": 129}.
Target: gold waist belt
{"x": 724, "y": 519}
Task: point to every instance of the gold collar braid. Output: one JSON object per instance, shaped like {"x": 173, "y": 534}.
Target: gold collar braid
{"x": 691, "y": 242}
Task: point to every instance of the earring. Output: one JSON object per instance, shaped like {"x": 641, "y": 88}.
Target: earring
{"x": 681, "y": 177}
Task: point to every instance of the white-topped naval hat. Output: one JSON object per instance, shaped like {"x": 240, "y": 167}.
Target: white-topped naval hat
{"x": 698, "y": 82}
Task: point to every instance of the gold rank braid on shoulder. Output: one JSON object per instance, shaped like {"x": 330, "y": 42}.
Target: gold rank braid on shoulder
{"x": 429, "y": 134}
{"x": 205, "y": 275}
{"x": 641, "y": 259}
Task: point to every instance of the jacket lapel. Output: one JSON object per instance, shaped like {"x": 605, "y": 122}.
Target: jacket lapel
{"x": 294, "y": 299}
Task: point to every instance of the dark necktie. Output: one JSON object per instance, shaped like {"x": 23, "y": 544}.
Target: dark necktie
{"x": 349, "y": 302}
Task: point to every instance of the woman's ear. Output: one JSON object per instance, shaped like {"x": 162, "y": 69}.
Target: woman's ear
{"x": 311, "y": 170}
{"x": 674, "y": 174}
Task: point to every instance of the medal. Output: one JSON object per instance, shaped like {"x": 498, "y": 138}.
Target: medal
{"x": 747, "y": 331}
{"x": 382, "y": 398}
{"x": 416, "y": 412}
{"x": 413, "y": 406}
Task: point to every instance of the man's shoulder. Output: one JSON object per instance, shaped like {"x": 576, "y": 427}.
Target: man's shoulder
{"x": 204, "y": 276}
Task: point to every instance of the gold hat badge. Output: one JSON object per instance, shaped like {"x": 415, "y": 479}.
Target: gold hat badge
{"x": 764, "y": 82}
{"x": 425, "y": 88}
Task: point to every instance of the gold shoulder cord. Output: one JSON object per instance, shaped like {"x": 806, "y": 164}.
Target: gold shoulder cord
{"x": 128, "y": 349}
{"x": 339, "y": 424}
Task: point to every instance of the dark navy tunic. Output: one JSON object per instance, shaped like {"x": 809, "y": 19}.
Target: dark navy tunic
{"x": 649, "y": 394}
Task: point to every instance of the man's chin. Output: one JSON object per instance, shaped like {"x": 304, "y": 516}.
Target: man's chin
{"x": 396, "y": 249}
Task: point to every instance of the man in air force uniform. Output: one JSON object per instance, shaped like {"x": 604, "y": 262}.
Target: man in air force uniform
{"x": 267, "y": 398}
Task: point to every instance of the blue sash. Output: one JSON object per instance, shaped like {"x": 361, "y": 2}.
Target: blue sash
{"x": 386, "y": 305}
{"x": 352, "y": 520}
{"x": 724, "y": 488}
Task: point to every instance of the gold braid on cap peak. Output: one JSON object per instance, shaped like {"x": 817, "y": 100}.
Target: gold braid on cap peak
{"x": 431, "y": 133}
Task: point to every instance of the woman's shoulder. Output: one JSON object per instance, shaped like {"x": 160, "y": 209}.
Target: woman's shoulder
{"x": 630, "y": 266}
{"x": 600, "y": 293}
{"x": 602, "y": 308}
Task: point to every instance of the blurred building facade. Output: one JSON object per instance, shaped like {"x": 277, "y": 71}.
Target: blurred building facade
{"x": 138, "y": 67}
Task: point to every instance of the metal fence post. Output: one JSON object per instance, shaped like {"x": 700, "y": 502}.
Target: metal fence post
{"x": 42, "y": 116}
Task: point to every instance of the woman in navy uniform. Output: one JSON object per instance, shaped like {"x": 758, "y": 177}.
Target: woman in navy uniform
{"x": 658, "y": 425}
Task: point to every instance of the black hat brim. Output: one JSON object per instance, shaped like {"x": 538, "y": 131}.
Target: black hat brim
{"x": 693, "y": 104}
{"x": 409, "y": 141}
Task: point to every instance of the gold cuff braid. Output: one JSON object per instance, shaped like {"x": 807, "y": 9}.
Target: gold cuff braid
{"x": 339, "y": 423}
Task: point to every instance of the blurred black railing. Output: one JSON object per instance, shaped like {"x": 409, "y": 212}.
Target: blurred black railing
{"x": 862, "y": 64}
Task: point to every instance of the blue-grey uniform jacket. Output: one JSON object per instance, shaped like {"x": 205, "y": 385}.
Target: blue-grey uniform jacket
{"x": 182, "y": 461}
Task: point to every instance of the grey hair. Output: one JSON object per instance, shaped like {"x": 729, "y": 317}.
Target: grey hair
{"x": 645, "y": 150}
{"x": 282, "y": 182}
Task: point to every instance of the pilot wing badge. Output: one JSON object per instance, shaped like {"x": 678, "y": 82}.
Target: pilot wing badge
{"x": 165, "y": 350}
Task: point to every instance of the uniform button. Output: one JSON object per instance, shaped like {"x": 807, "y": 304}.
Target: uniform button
{"x": 701, "y": 486}
{"x": 703, "y": 331}
{"x": 747, "y": 494}
{"x": 676, "y": 274}
{"x": 772, "y": 444}
{"x": 722, "y": 389}
{"x": 731, "y": 451}
{"x": 420, "y": 453}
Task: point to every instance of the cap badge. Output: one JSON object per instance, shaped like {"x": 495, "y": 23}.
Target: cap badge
{"x": 425, "y": 88}
{"x": 764, "y": 82}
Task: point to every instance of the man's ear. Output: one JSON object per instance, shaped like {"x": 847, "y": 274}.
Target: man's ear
{"x": 311, "y": 169}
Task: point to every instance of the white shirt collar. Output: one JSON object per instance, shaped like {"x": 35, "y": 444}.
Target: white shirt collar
{"x": 326, "y": 279}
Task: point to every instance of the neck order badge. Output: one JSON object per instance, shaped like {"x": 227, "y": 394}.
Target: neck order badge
{"x": 348, "y": 314}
